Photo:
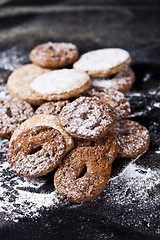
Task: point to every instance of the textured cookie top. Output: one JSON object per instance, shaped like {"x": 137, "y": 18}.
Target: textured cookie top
{"x": 87, "y": 118}
{"x": 53, "y": 108}
{"x": 44, "y": 120}
{"x": 12, "y": 113}
{"x": 121, "y": 81}
{"x": 103, "y": 62}
{"x": 115, "y": 99}
{"x": 83, "y": 174}
{"x": 62, "y": 81}
{"x": 36, "y": 151}
{"x": 133, "y": 138}
{"x": 54, "y": 55}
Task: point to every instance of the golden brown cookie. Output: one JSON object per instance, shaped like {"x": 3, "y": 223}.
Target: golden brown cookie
{"x": 53, "y": 108}
{"x": 103, "y": 62}
{"x": 19, "y": 83}
{"x": 44, "y": 120}
{"x": 133, "y": 138}
{"x": 87, "y": 118}
{"x": 83, "y": 175}
{"x": 36, "y": 151}
{"x": 61, "y": 84}
{"x": 115, "y": 99}
{"x": 122, "y": 81}
{"x": 54, "y": 55}
{"x": 13, "y": 112}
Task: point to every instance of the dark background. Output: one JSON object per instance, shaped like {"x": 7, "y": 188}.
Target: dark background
{"x": 133, "y": 25}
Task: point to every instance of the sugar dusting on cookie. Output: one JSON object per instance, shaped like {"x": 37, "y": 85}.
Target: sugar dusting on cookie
{"x": 59, "y": 81}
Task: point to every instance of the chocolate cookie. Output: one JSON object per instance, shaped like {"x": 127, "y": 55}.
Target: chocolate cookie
{"x": 108, "y": 145}
{"x": 87, "y": 118}
{"x": 44, "y": 120}
{"x": 13, "y": 113}
{"x": 115, "y": 99}
{"x": 133, "y": 138}
{"x": 83, "y": 175}
{"x": 36, "y": 151}
{"x": 121, "y": 81}
{"x": 54, "y": 55}
{"x": 53, "y": 108}
{"x": 60, "y": 84}
{"x": 103, "y": 62}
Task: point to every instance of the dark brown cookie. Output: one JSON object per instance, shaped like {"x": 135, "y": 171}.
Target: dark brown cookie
{"x": 54, "y": 55}
{"x": 36, "y": 151}
{"x": 87, "y": 118}
{"x": 83, "y": 175}
{"x": 115, "y": 99}
{"x": 121, "y": 81}
{"x": 107, "y": 145}
{"x": 12, "y": 113}
{"x": 53, "y": 108}
{"x": 133, "y": 138}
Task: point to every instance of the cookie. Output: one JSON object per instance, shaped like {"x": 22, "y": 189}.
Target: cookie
{"x": 103, "y": 62}
{"x": 36, "y": 151}
{"x": 108, "y": 145}
{"x": 53, "y": 108}
{"x": 115, "y": 99}
{"x": 61, "y": 84}
{"x": 13, "y": 113}
{"x": 19, "y": 83}
{"x": 87, "y": 118}
{"x": 54, "y": 55}
{"x": 44, "y": 120}
{"x": 83, "y": 175}
{"x": 121, "y": 81}
{"x": 133, "y": 138}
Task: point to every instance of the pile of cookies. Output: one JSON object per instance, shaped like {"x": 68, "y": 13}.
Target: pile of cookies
{"x": 79, "y": 126}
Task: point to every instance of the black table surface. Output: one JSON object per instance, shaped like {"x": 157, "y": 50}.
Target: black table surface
{"x": 129, "y": 206}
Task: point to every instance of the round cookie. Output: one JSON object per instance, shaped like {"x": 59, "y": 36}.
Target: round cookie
{"x": 115, "y": 99}
{"x": 133, "y": 138}
{"x": 36, "y": 151}
{"x": 108, "y": 145}
{"x": 54, "y": 55}
{"x": 53, "y": 108}
{"x": 13, "y": 113}
{"x": 83, "y": 175}
{"x": 103, "y": 62}
{"x": 44, "y": 120}
{"x": 87, "y": 118}
{"x": 121, "y": 81}
{"x": 61, "y": 84}
{"x": 19, "y": 83}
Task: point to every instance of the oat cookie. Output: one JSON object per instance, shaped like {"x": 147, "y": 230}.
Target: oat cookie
{"x": 54, "y": 55}
{"x": 87, "y": 118}
{"x": 103, "y": 62}
{"x": 133, "y": 138}
{"x": 13, "y": 112}
{"x": 53, "y": 108}
{"x": 36, "y": 151}
{"x": 61, "y": 84}
{"x": 115, "y": 99}
{"x": 122, "y": 81}
{"x": 108, "y": 145}
{"x": 19, "y": 83}
{"x": 83, "y": 175}
{"x": 44, "y": 120}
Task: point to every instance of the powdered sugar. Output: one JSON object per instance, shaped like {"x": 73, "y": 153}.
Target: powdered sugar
{"x": 59, "y": 81}
{"x": 101, "y": 61}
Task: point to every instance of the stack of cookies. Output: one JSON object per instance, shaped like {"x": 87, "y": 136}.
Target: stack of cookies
{"x": 79, "y": 126}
